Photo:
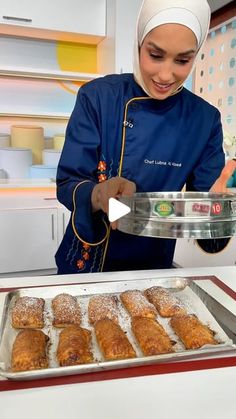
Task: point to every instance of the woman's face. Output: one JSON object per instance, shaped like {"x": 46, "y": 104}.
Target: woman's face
{"x": 166, "y": 58}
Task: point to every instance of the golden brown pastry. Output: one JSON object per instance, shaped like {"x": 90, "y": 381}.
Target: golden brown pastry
{"x": 74, "y": 346}
{"x": 102, "y": 307}
{"x": 192, "y": 332}
{"x": 29, "y": 351}
{"x": 113, "y": 341}
{"x": 66, "y": 310}
{"x": 27, "y": 313}
{"x": 151, "y": 336}
{"x": 166, "y": 303}
{"x": 137, "y": 305}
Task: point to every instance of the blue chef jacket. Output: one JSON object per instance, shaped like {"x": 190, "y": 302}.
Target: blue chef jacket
{"x": 161, "y": 145}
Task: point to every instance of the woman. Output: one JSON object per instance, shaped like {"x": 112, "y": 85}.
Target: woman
{"x": 139, "y": 132}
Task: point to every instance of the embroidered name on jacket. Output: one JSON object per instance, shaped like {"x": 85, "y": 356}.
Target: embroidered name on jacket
{"x": 162, "y": 163}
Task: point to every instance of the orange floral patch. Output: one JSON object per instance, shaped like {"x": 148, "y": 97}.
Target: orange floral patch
{"x": 80, "y": 264}
{"x": 86, "y": 246}
{"x": 102, "y": 177}
{"x": 86, "y": 255}
{"x": 102, "y": 166}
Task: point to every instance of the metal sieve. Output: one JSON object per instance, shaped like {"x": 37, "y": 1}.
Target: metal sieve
{"x": 199, "y": 215}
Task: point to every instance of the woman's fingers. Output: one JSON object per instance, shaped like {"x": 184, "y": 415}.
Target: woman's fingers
{"x": 111, "y": 188}
{"x": 220, "y": 184}
{"x": 127, "y": 188}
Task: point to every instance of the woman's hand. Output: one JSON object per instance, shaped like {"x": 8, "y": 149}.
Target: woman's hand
{"x": 220, "y": 185}
{"x": 111, "y": 188}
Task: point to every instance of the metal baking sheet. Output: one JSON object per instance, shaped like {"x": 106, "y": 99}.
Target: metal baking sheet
{"x": 178, "y": 285}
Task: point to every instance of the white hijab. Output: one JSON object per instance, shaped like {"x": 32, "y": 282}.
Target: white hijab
{"x": 195, "y": 14}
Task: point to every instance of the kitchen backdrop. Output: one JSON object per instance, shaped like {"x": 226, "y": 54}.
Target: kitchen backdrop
{"x": 39, "y": 78}
{"x": 46, "y": 54}
{"x": 42, "y": 69}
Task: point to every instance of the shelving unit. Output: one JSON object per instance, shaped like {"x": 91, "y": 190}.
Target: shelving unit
{"x": 35, "y": 40}
{"x": 41, "y": 75}
{"x": 62, "y": 117}
{"x": 48, "y": 75}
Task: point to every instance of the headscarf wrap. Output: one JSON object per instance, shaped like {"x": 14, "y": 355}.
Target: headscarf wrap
{"x": 194, "y": 14}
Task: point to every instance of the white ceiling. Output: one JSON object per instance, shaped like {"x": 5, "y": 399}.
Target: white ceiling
{"x": 217, "y": 4}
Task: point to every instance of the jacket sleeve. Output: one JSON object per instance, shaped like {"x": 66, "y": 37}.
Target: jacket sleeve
{"x": 77, "y": 169}
{"x": 211, "y": 161}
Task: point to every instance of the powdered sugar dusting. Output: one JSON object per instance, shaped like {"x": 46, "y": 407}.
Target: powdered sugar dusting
{"x": 66, "y": 310}
{"x": 28, "y": 312}
{"x": 165, "y": 302}
{"x": 101, "y": 307}
{"x": 137, "y": 304}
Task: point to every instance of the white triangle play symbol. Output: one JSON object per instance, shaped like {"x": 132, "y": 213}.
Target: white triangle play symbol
{"x": 117, "y": 210}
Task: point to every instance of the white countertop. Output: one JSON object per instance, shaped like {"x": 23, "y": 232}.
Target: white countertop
{"x": 28, "y": 198}
{"x": 227, "y": 274}
{"x": 203, "y": 394}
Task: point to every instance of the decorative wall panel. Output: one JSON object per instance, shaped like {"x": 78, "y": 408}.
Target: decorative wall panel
{"x": 215, "y": 78}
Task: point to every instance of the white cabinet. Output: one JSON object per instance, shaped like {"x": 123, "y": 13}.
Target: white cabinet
{"x": 77, "y": 16}
{"x": 126, "y": 17}
{"x": 62, "y": 222}
{"x": 189, "y": 254}
{"x": 28, "y": 239}
{"x": 115, "y": 52}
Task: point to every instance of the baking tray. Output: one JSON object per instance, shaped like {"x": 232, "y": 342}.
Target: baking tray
{"x": 178, "y": 285}
{"x": 199, "y": 215}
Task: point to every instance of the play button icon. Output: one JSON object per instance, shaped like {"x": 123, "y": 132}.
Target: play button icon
{"x": 117, "y": 210}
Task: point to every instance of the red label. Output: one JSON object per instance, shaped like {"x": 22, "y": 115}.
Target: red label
{"x": 201, "y": 208}
{"x": 216, "y": 208}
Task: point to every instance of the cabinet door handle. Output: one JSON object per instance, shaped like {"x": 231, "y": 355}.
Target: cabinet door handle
{"x": 53, "y": 230}
{"x": 18, "y": 19}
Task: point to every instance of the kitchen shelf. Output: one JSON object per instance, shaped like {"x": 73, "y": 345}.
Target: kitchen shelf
{"x": 45, "y": 74}
{"x": 37, "y": 116}
{"x": 8, "y": 184}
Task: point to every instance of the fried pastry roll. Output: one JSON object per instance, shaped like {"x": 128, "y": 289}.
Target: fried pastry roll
{"x": 113, "y": 341}
{"x": 137, "y": 305}
{"x": 151, "y": 336}
{"x": 27, "y": 313}
{"x": 74, "y": 346}
{"x": 66, "y": 310}
{"x": 167, "y": 304}
{"x": 102, "y": 307}
{"x": 192, "y": 332}
{"x": 29, "y": 351}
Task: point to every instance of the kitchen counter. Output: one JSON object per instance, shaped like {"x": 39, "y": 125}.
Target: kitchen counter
{"x": 192, "y": 390}
{"x": 45, "y": 199}
{"x": 28, "y": 196}
{"x": 226, "y": 273}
